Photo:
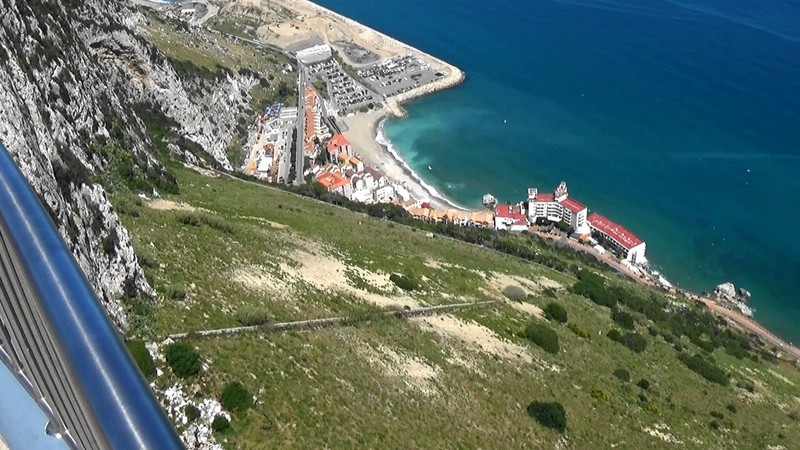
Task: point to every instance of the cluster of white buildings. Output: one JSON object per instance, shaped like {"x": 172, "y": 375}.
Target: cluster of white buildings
{"x": 315, "y": 127}
{"x": 559, "y": 207}
{"x": 272, "y": 141}
{"x": 347, "y": 175}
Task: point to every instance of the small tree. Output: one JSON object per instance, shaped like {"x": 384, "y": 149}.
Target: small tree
{"x": 623, "y": 374}
{"x": 543, "y": 336}
{"x": 644, "y": 384}
{"x": 404, "y": 282}
{"x": 515, "y": 293}
{"x": 183, "y": 359}
{"x": 191, "y": 412}
{"x": 549, "y": 414}
{"x": 236, "y": 397}
{"x": 554, "y": 311}
{"x": 623, "y": 319}
{"x": 220, "y": 424}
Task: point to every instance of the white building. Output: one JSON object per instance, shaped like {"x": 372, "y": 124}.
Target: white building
{"x": 558, "y": 207}
{"x": 621, "y": 241}
{"x": 510, "y": 217}
{"x": 383, "y": 194}
{"x": 314, "y": 54}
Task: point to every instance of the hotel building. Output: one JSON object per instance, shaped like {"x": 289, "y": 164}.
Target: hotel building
{"x": 612, "y": 235}
{"x": 558, "y": 207}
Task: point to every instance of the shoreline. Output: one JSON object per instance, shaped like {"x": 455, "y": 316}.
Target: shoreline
{"x": 364, "y": 129}
{"x": 365, "y": 132}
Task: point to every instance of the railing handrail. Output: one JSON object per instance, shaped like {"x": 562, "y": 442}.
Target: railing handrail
{"x": 121, "y": 404}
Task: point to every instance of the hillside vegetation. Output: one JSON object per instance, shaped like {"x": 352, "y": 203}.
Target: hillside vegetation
{"x": 224, "y": 251}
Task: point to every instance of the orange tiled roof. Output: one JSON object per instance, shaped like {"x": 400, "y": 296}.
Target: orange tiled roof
{"x": 332, "y": 180}
{"x": 336, "y": 142}
{"x": 309, "y": 123}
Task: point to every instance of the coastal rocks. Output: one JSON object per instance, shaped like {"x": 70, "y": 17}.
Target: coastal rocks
{"x": 727, "y": 295}
{"x": 728, "y": 291}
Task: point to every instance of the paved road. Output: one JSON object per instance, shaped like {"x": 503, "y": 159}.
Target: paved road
{"x": 302, "y": 79}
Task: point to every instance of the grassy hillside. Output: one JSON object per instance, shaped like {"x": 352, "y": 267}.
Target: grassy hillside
{"x": 225, "y": 252}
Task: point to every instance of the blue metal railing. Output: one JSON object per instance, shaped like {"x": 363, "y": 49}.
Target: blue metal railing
{"x": 122, "y": 408}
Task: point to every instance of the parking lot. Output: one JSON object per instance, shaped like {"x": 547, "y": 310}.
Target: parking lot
{"x": 345, "y": 92}
{"x": 399, "y": 74}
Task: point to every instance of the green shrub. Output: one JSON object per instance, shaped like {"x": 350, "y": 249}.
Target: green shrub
{"x": 714, "y": 425}
{"x": 549, "y": 414}
{"x": 235, "y": 397}
{"x": 176, "y": 291}
{"x": 794, "y": 415}
{"x": 183, "y": 359}
{"x": 614, "y": 335}
{"x": 249, "y": 315}
{"x": 623, "y": 319}
{"x": 142, "y": 357}
{"x": 705, "y": 368}
{"x": 515, "y": 293}
{"x": 579, "y": 331}
{"x": 623, "y": 374}
{"x": 634, "y": 341}
{"x": 592, "y": 286}
{"x": 549, "y": 292}
{"x": 644, "y": 384}
{"x": 196, "y": 219}
{"x": 404, "y": 282}
{"x": 554, "y": 311}
{"x": 220, "y": 424}
{"x": 600, "y": 395}
{"x": 746, "y": 385}
{"x": 146, "y": 257}
{"x": 731, "y": 407}
{"x": 716, "y": 415}
{"x": 543, "y": 336}
{"x": 191, "y": 412}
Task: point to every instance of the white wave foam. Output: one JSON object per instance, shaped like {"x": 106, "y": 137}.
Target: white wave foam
{"x": 383, "y": 141}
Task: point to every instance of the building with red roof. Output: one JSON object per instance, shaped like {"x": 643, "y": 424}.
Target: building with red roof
{"x": 338, "y": 144}
{"x": 558, "y": 207}
{"x": 510, "y": 217}
{"x": 336, "y": 182}
{"x": 625, "y": 244}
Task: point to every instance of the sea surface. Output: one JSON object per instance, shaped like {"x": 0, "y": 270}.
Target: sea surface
{"x": 679, "y": 119}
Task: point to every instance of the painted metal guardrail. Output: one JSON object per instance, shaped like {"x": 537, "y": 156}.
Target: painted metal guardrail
{"x": 57, "y": 339}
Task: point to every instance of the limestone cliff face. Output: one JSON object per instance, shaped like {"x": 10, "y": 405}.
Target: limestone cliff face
{"x": 74, "y": 72}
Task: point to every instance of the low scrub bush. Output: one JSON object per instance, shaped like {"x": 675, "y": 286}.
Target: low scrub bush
{"x": 549, "y": 292}
{"x": 543, "y": 336}
{"x": 731, "y": 407}
{"x": 600, "y": 395}
{"x": 515, "y": 293}
{"x": 614, "y": 335}
{"x": 623, "y": 374}
{"x": 554, "y": 311}
{"x": 176, "y": 291}
{"x": 717, "y": 415}
{"x": 634, "y": 341}
{"x": 196, "y": 219}
{"x": 644, "y": 384}
{"x": 549, "y": 414}
{"x": 252, "y": 315}
{"x": 183, "y": 359}
{"x": 592, "y": 286}
{"x": 705, "y": 368}
{"x": 220, "y": 424}
{"x": 142, "y": 357}
{"x": 579, "y": 331}
{"x": 746, "y": 385}
{"x": 623, "y": 319}
{"x": 236, "y": 398}
{"x": 191, "y": 412}
{"x": 404, "y": 282}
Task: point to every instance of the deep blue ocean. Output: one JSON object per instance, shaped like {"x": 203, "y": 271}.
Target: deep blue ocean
{"x": 678, "y": 119}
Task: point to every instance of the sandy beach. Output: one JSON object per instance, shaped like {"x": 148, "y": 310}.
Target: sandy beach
{"x": 363, "y": 129}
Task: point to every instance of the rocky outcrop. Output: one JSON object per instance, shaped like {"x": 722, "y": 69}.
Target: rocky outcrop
{"x": 74, "y": 74}
{"x": 727, "y": 295}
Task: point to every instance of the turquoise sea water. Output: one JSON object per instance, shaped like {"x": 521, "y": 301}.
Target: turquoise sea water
{"x": 680, "y": 119}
